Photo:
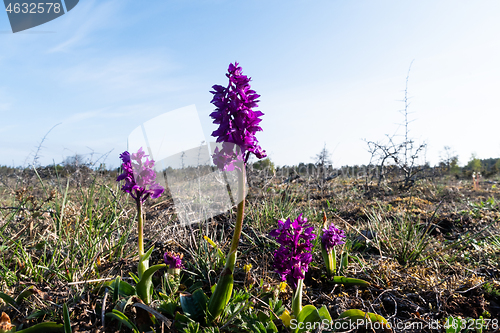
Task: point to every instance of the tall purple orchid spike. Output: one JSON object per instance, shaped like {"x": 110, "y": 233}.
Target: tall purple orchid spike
{"x": 237, "y": 120}
{"x": 238, "y": 123}
{"x": 140, "y": 183}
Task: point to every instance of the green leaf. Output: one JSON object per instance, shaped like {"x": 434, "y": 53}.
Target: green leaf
{"x": 358, "y": 314}
{"x": 454, "y": 325}
{"x": 125, "y": 288}
{"x": 135, "y": 277}
{"x": 330, "y": 260}
{"x": 271, "y": 327}
{"x": 259, "y": 328}
{"x": 201, "y": 298}
{"x": 194, "y": 305}
{"x": 197, "y": 285}
{"x": 344, "y": 262}
{"x": 224, "y": 289}
{"x": 143, "y": 264}
{"x": 192, "y": 328}
{"x": 25, "y": 294}
{"x": 164, "y": 297}
{"x": 122, "y": 304}
{"x": 277, "y": 308}
{"x": 147, "y": 254}
{"x": 324, "y": 314}
{"x": 116, "y": 288}
{"x": 168, "y": 307}
{"x": 37, "y": 314}
{"x": 222, "y": 294}
{"x": 67, "y": 322}
{"x": 262, "y": 316}
{"x": 355, "y": 315}
{"x": 479, "y": 325}
{"x": 309, "y": 314}
{"x": 8, "y": 299}
{"x": 47, "y": 327}
{"x": 349, "y": 281}
{"x": 181, "y": 321}
{"x": 143, "y": 288}
{"x": 123, "y": 319}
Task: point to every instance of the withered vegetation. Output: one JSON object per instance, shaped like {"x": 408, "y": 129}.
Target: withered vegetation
{"x": 429, "y": 251}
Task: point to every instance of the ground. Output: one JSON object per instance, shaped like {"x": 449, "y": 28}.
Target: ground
{"x": 428, "y": 252}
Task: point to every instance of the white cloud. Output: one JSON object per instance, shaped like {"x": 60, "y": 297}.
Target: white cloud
{"x": 135, "y": 75}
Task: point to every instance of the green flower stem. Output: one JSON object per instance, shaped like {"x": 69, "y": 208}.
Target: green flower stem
{"x": 145, "y": 272}
{"x": 224, "y": 288}
{"x": 333, "y": 256}
{"x": 143, "y": 260}
{"x": 297, "y": 298}
{"x": 174, "y": 271}
{"x": 241, "y": 210}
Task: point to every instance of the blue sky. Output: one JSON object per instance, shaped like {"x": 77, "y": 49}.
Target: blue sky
{"x": 328, "y": 72}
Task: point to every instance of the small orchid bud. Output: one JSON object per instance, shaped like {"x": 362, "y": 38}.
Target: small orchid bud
{"x": 331, "y": 237}
{"x": 173, "y": 262}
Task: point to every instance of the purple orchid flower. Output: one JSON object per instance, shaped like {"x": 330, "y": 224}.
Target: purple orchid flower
{"x": 237, "y": 120}
{"x": 139, "y": 177}
{"x": 173, "y": 260}
{"x": 293, "y": 257}
{"x": 332, "y": 237}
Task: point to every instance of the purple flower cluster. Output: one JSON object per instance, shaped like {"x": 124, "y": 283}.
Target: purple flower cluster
{"x": 173, "y": 260}
{"x": 227, "y": 158}
{"x": 331, "y": 237}
{"x": 291, "y": 260}
{"x": 237, "y": 122}
{"x": 139, "y": 177}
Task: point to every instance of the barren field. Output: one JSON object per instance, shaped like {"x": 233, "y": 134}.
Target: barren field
{"x": 428, "y": 252}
